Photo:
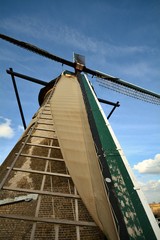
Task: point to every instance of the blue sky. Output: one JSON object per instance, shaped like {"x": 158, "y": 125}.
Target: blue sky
{"x": 121, "y": 38}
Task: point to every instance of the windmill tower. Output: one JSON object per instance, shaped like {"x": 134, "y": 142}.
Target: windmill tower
{"x": 67, "y": 177}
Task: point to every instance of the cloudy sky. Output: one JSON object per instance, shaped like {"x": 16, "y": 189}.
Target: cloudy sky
{"x": 121, "y": 38}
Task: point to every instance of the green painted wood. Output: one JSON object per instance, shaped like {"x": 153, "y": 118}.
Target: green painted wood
{"x": 136, "y": 219}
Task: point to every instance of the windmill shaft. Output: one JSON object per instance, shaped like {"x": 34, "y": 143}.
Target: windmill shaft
{"x": 37, "y": 50}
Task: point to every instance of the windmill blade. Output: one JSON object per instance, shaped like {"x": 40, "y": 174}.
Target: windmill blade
{"x": 36, "y": 50}
{"x": 126, "y": 88}
{"x": 105, "y": 80}
{"x": 46, "y": 54}
{"x": 99, "y": 74}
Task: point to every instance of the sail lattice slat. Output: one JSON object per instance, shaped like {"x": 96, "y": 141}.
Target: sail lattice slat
{"x": 131, "y": 92}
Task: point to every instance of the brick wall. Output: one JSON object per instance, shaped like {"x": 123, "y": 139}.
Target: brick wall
{"x": 52, "y": 207}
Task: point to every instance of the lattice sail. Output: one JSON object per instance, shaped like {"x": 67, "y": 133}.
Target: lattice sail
{"x": 107, "y": 81}
{"x": 130, "y": 90}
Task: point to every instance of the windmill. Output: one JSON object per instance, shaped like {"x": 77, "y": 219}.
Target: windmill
{"x": 67, "y": 177}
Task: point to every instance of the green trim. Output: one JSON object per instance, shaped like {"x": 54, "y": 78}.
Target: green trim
{"x": 68, "y": 72}
{"x": 135, "y": 217}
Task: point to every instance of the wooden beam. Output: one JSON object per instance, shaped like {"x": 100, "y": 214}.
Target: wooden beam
{"x": 48, "y": 220}
{"x": 57, "y": 194}
{"x": 40, "y": 172}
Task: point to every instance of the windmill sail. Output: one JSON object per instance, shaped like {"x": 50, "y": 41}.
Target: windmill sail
{"x": 105, "y": 80}
{"x": 67, "y": 177}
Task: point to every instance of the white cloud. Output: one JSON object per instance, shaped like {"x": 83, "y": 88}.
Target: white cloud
{"x": 67, "y": 35}
{"x": 6, "y": 131}
{"x": 150, "y": 166}
{"x": 151, "y": 185}
{"x": 141, "y": 69}
{"x": 151, "y": 190}
{"x": 93, "y": 47}
{"x": 20, "y": 128}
